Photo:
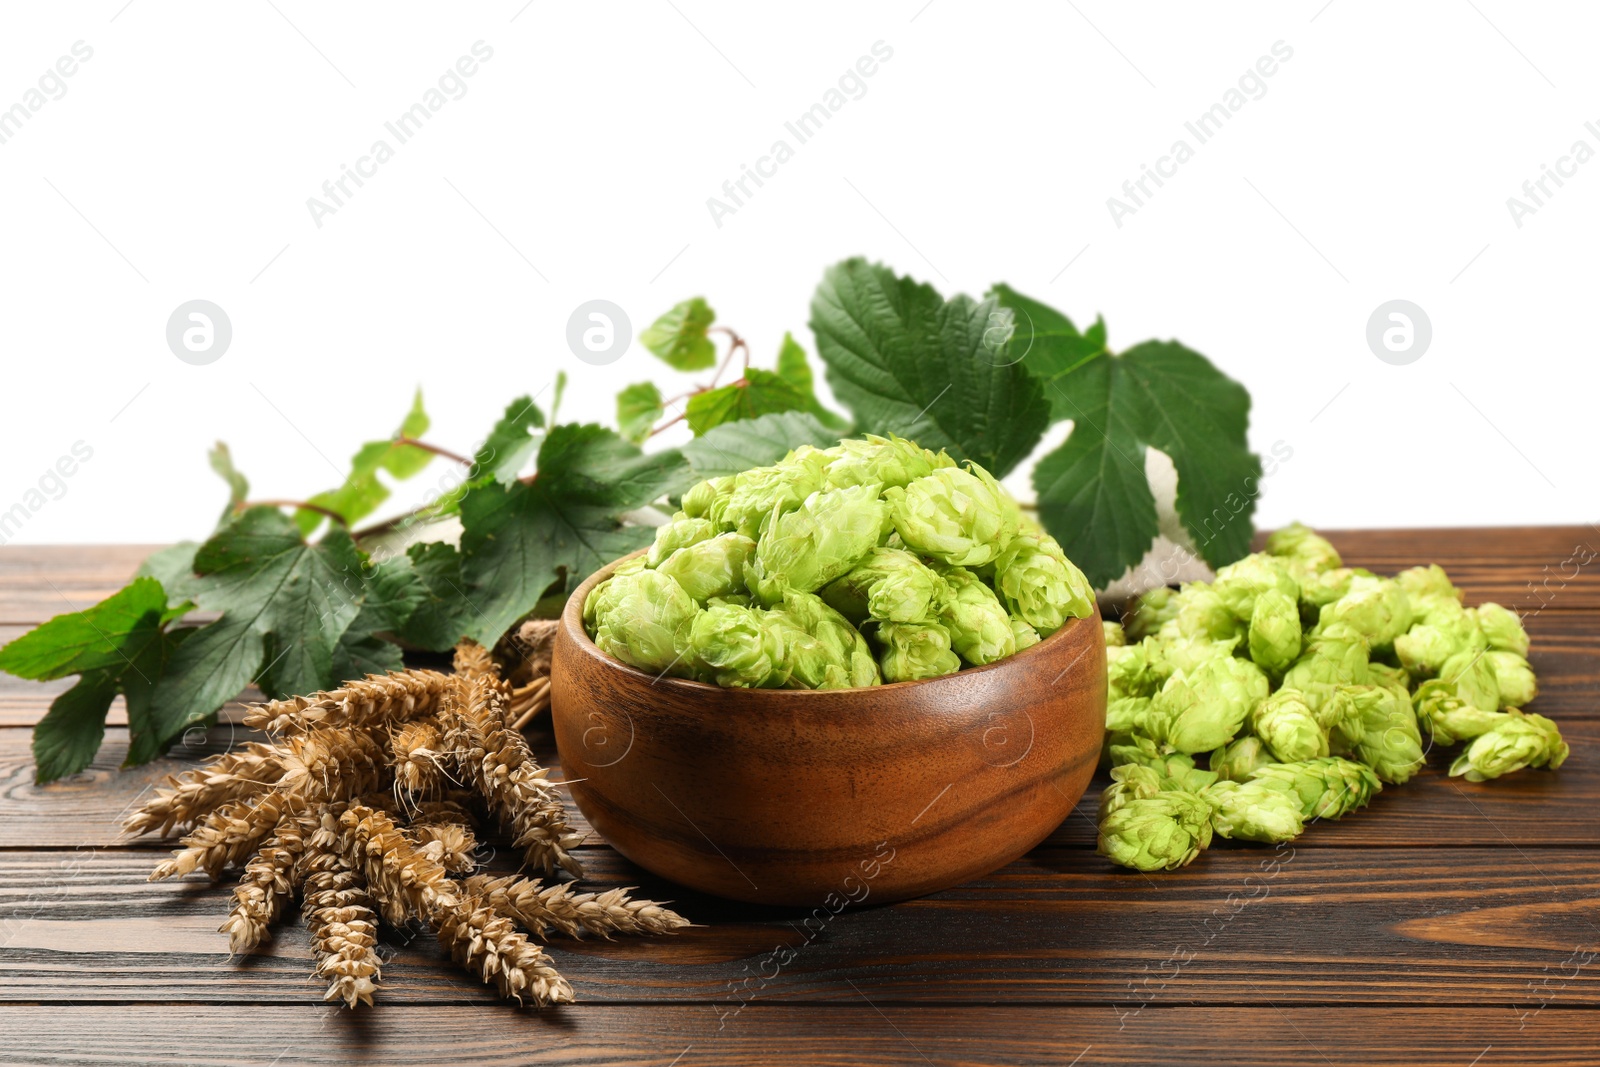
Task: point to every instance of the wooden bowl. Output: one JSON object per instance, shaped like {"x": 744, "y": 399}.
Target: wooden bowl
{"x": 829, "y": 797}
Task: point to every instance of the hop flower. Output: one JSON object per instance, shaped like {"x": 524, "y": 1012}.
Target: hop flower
{"x": 1337, "y": 655}
{"x": 1425, "y": 586}
{"x": 845, "y": 646}
{"x": 1204, "y": 709}
{"x": 1390, "y": 741}
{"x": 1129, "y": 671}
{"x": 1239, "y": 584}
{"x": 738, "y": 647}
{"x": 1161, "y": 832}
{"x": 1149, "y": 612}
{"x": 1026, "y": 636}
{"x": 1472, "y": 673}
{"x": 885, "y": 461}
{"x": 1252, "y": 811}
{"x": 1113, "y": 633}
{"x": 1038, "y": 583}
{"x": 1158, "y": 757}
{"x": 1238, "y": 758}
{"x": 1326, "y": 788}
{"x": 681, "y": 532}
{"x": 644, "y": 619}
{"x": 710, "y": 567}
{"x": 1131, "y": 781}
{"x": 1376, "y": 608}
{"x": 1201, "y": 614}
{"x": 961, "y": 517}
{"x": 1274, "y": 636}
{"x": 1502, "y": 628}
{"x": 980, "y": 629}
{"x": 1424, "y": 648}
{"x": 1285, "y": 722}
{"x": 757, "y": 495}
{"x": 1518, "y": 740}
{"x": 889, "y": 585}
{"x": 1168, "y": 656}
{"x": 819, "y": 541}
{"x": 1446, "y": 716}
{"x": 707, "y": 497}
{"x": 1126, "y": 716}
{"x": 1513, "y": 678}
{"x": 1305, "y": 547}
{"x": 913, "y": 650}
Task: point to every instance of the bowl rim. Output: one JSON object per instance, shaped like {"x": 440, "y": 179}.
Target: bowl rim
{"x": 571, "y": 620}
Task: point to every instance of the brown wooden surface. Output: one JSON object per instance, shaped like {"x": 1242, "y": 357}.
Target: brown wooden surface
{"x": 1450, "y": 923}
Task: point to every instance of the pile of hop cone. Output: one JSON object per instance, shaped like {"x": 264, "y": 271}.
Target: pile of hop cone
{"x": 366, "y": 802}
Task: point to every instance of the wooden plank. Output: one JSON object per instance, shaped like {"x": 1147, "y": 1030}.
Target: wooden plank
{"x": 863, "y": 1034}
{"x": 1306, "y": 926}
{"x": 1525, "y": 568}
{"x": 1433, "y": 810}
{"x": 39, "y": 582}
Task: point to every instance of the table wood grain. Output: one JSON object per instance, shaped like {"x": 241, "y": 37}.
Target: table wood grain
{"x": 1451, "y": 923}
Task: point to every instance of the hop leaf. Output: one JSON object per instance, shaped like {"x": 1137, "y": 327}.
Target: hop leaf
{"x": 638, "y": 408}
{"x": 679, "y": 336}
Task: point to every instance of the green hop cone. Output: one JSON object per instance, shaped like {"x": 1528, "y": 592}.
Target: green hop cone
{"x": 1305, "y": 547}
{"x": 1204, "y": 709}
{"x": 1326, "y": 788}
{"x": 707, "y": 497}
{"x": 1376, "y": 608}
{"x": 1240, "y": 584}
{"x": 1285, "y": 722}
{"x": 885, "y": 461}
{"x": 1423, "y": 649}
{"x": 1168, "y": 656}
{"x": 681, "y": 532}
{"x": 1472, "y": 673}
{"x": 1238, "y": 758}
{"x": 1513, "y": 678}
{"x": 805, "y": 549}
{"x": 1024, "y": 635}
{"x": 1274, "y": 636}
{"x": 1112, "y": 632}
{"x": 1324, "y": 587}
{"x": 1147, "y": 753}
{"x": 1129, "y": 672}
{"x": 1519, "y": 740}
{"x": 1201, "y": 614}
{"x": 980, "y": 629}
{"x": 711, "y": 568}
{"x": 1390, "y": 740}
{"x": 1502, "y": 628}
{"x": 1149, "y": 612}
{"x": 1125, "y": 717}
{"x": 1131, "y": 781}
{"x": 1339, "y": 716}
{"x": 759, "y": 494}
{"x": 849, "y": 662}
{"x": 1159, "y": 833}
{"x": 1427, "y": 585}
{"x": 643, "y": 620}
{"x": 888, "y": 584}
{"x": 1335, "y": 656}
{"x": 1396, "y": 678}
{"x": 1039, "y": 585}
{"x": 961, "y": 517}
{"x": 912, "y": 650}
{"x": 1253, "y": 811}
{"x": 741, "y": 647}
{"x": 1447, "y": 718}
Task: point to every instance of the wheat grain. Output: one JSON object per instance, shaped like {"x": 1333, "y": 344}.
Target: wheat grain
{"x": 539, "y": 908}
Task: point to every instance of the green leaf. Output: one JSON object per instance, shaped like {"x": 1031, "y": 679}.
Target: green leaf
{"x": 939, "y": 372}
{"x": 238, "y": 486}
{"x": 278, "y": 595}
{"x": 447, "y": 611}
{"x": 363, "y": 491}
{"x": 173, "y": 567}
{"x": 66, "y": 739}
{"x": 740, "y": 446}
{"x": 638, "y": 408}
{"x": 796, "y": 370}
{"x": 1093, "y": 492}
{"x": 759, "y": 392}
{"x": 1048, "y": 344}
{"x": 358, "y": 657}
{"x": 512, "y": 443}
{"x": 518, "y": 540}
{"x": 679, "y": 336}
{"x": 98, "y": 637}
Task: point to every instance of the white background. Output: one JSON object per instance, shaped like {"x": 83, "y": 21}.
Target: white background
{"x": 578, "y": 164}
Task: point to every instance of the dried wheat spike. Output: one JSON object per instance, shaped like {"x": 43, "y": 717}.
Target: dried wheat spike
{"x": 194, "y": 794}
{"x": 499, "y": 765}
{"x": 331, "y": 763}
{"x": 229, "y": 834}
{"x": 538, "y": 908}
{"x": 489, "y": 945}
{"x": 531, "y": 649}
{"x": 406, "y": 883}
{"x": 415, "y": 752}
{"x": 268, "y": 884}
{"x": 338, "y": 913}
{"x": 449, "y": 844}
{"x": 444, "y": 810}
{"x": 475, "y": 663}
{"x": 377, "y": 699}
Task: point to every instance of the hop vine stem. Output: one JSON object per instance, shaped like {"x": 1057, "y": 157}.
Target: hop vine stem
{"x": 736, "y": 343}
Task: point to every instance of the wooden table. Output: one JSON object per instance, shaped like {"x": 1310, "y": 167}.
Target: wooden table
{"x": 1450, "y": 924}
